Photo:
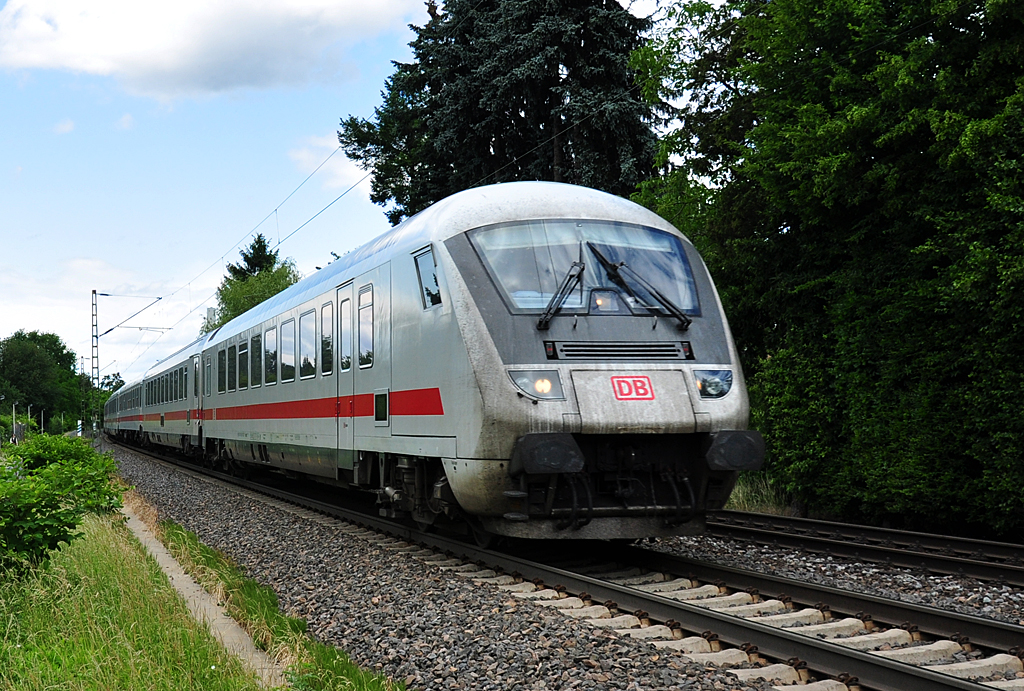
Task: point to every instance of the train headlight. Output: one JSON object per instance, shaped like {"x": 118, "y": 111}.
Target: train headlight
{"x": 543, "y": 384}
{"x": 713, "y": 383}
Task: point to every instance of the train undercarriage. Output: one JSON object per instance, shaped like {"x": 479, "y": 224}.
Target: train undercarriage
{"x": 555, "y": 486}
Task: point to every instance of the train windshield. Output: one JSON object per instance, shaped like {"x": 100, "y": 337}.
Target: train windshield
{"x": 529, "y": 260}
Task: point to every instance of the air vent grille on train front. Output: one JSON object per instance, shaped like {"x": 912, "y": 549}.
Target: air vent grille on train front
{"x": 618, "y": 350}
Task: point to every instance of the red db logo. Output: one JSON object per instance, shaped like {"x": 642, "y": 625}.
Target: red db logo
{"x": 637, "y": 388}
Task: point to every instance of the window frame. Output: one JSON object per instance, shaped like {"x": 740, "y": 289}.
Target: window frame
{"x": 243, "y": 364}
{"x": 271, "y": 348}
{"x": 365, "y": 356}
{"x": 416, "y": 257}
{"x": 345, "y": 335}
{"x": 232, "y": 367}
{"x": 283, "y": 338}
{"x": 327, "y": 339}
{"x": 302, "y": 360}
{"x": 256, "y": 360}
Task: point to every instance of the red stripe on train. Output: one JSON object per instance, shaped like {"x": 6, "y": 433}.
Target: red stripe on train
{"x": 417, "y": 402}
{"x": 402, "y": 403}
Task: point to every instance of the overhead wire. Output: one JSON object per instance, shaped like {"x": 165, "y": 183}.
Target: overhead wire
{"x": 490, "y": 175}
{"x": 222, "y": 257}
{"x": 277, "y": 222}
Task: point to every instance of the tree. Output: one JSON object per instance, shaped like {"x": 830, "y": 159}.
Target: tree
{"x": 504, "y": 90}
{"x": 257, "y": 257}
{"x": 260, "y": 277}
{"x": 111, "y": 382}
{"x": 865, "y": 226}
{"x": 38, "y": 369}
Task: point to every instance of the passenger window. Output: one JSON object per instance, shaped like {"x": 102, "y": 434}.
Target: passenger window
{"x": 366, "y": 327}
{"x": 232, "y": 367}
{"x": 288, "y": 351}
{"x": 427, "y": 271}
{"x": 208, "y": 382}
{"x": 307, "y": 345}
{"x": 222, "y": 371}
{"x": 270, "y": 356}
{"x": 327, "y": 338}
{"x": 345, "y": 317}
{"x": 195, "y": 377}
{"x": 256, "y": 353}
{"x": 243, "y": 365}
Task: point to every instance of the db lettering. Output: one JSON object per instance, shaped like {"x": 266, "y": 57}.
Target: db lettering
{"x": 635, "y": 388}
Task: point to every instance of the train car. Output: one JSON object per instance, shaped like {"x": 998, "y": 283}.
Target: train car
{"x": 527, "y": 359}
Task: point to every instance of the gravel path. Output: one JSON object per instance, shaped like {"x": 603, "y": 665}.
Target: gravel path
{"x": 954, "y": 593}
{"x": 409, "y": 620}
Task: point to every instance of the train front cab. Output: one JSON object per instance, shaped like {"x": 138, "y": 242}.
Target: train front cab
{"x": 611, "y": 391}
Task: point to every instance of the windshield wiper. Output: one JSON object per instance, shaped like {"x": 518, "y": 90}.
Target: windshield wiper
{"x": 569, "y": 283}
{"x": 617, "y": 274}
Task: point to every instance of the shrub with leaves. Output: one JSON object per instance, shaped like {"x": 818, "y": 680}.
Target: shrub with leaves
{"x": 46, "y": 486}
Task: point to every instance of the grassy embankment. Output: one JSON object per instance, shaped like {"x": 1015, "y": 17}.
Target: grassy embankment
{"x": 84, "y": 607}
{"x": 311, "y": 666}
{"x": 101, "y": 615}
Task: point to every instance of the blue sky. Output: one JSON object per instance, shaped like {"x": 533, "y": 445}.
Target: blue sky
{"x": 141, "y": 143}
{"x": 138, "y": 145}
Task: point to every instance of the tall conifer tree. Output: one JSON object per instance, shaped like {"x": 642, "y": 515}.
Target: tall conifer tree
{"x": 503, "y": 90}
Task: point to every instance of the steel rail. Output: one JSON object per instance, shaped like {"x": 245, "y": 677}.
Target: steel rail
{"x": 998, "y": 562}
{"x": 822, "y": 657}
{"x": 986, "y": 633}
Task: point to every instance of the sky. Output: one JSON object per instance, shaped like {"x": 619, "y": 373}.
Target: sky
{"x": 142, "y": 144}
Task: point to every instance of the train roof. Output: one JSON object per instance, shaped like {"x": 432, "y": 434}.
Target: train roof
{"x": 463, "y": 211}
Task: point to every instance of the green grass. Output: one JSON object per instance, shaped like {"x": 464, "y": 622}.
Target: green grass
{"x": 754, "y": 492}
{"x": 101, "y": 615}
{"x": 312, "y": 666}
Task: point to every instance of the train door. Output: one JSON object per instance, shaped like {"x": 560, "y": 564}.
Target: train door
{"x": 346, "y": 389}
{"x": 372, "y": 366}
{"x": 194, "y": 413}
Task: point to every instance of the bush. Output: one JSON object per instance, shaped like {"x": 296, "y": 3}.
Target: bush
{"x": 46, "y": 486}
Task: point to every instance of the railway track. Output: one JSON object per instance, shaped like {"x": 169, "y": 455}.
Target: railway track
{"x": 716, "y": 614}
{"x": 997, "y": 562}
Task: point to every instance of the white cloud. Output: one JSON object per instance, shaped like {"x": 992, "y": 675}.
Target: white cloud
{"x": 338, "y": 173}
{"x": 64, "y": 126}
{"x": 194, "y": 47}
{"x": 126, "y": 122}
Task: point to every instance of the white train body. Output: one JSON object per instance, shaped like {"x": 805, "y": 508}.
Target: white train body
{"x": 418, "y": 366}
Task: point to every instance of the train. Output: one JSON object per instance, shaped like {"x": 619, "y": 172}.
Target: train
{"x": 533, "y": 360}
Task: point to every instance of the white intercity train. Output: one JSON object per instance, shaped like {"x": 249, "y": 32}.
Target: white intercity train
{"x": 527, "y": 359}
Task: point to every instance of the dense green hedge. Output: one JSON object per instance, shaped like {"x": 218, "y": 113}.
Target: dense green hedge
{"x": 47, "y": 485}
{"x": 865, "y": 225}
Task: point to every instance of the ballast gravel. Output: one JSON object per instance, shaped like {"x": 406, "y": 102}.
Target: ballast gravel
{"x": 950, "y": 592}
{"x": 400, "y": 617}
